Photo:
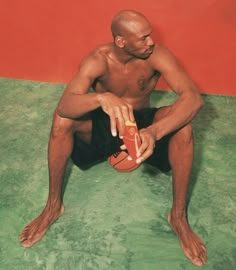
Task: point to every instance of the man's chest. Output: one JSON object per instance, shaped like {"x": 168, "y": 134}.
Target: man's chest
{"x": 130, "y": 78}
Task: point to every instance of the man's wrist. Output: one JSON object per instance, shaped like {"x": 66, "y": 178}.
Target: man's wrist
{"x": 100, "y": 97}
{"x": 157, "y": 131}
{"x": 153, "y": 130}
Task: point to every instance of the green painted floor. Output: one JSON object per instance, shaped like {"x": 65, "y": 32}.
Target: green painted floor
{"x": 113, "y": 221}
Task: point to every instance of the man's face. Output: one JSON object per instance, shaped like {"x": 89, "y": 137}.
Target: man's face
{"x": 138, "y": 41}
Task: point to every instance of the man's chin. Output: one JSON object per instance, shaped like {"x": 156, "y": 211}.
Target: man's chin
{"x": 145, "y": 56}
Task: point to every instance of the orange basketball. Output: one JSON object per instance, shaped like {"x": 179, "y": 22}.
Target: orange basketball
{"x": 120, "y": 162}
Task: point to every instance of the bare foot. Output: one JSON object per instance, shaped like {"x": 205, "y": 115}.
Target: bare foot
{"x": 192, "y": 245}
{"x": 35, "y": 230}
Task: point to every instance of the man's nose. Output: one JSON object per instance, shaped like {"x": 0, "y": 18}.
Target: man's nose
{"x": 150, "y": 42}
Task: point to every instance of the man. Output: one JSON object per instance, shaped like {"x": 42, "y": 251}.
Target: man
{"x": 123, "y": 74}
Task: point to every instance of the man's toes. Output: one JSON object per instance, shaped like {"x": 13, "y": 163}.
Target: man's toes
{"x": 199, "y": 241}
{"x": 26, "y": 243}
{"x": 188, "y": 253}
{"x": 25, "y": 230}
{"x": 203, "y": 247}
{"x": 197, "y": 261}
{"x": 203, "y": 260}
{"x": 29, "y": 241}
{"x": 26, "y": 237}
{"x": 22, "y": 238}
{"x": 23, "y": 235}
{"x": 203, "y": 257}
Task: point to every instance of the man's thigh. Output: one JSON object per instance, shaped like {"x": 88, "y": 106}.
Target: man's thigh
{"x": 83, "y": 128}
{"x": 93, "y": 139}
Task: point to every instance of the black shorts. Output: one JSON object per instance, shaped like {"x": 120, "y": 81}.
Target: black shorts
{"x": 103, "y": 144}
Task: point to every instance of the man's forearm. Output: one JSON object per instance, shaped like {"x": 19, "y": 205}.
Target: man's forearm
{"x": 181, "y": 113}
{"x": 76, "y": 105}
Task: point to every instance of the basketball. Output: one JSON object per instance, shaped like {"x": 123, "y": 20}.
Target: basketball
{"x": 121, "y": 163}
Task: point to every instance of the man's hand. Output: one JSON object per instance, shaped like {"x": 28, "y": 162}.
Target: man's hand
{"x": 148, "y": 141}
{"x": 118, "y": 110}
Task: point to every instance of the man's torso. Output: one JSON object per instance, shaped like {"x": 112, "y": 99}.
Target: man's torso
{"x": 132, "y": 81}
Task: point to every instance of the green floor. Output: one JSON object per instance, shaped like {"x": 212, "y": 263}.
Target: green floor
{"x": 114, "y": 221}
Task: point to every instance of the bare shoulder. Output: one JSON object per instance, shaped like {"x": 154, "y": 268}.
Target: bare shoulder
{"x": 162, "y": 58}
{"x": 172, "y": 71}
{"x": 95, "y": 62}
{"x": 92, "y": 67}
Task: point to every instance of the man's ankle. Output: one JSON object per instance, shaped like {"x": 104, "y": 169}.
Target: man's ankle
{"x": 178, "y": 214}
{"x": 54, "y": 203}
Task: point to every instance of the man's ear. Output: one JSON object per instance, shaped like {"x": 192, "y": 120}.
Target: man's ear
{"x": 119, "y": 41}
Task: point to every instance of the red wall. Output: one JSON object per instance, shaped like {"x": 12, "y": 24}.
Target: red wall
{"x": 45, "y": 40}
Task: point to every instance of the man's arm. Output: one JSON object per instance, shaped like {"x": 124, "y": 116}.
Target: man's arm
{"x": 76, "y": 101}
{"x": 189, "y": 101}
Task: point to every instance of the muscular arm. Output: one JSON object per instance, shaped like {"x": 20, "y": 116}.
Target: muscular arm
{"x": 76, "y": 101}
{"x": 189, "y": 101}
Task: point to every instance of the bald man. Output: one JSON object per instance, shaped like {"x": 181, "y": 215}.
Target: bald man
{"x": 123, "y": 74}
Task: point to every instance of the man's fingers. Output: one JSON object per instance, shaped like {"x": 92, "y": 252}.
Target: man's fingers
{"x": 145, "y": 155}
{"x": 123, "y": 147}
{"x": 113, "y": 125}
{"x": 146, "y": 148}
{"x": 118, "y": 116}
{"x": 143, "y": 147}
{"x": 131, "y": 113}
{"x": 120, "y": 121}
{"x": 125, "y": 112}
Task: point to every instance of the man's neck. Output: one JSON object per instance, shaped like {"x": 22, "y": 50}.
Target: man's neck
{"x": 122, "y": 56}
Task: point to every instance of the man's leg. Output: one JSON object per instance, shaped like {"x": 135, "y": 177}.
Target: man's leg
{"x": 181, "y": 159}
{"x": 59, "y": 150}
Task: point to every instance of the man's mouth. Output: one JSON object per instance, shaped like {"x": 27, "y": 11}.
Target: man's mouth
{"x": 149, "y": 51}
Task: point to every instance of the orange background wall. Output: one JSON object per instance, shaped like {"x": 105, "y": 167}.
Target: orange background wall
{"x": 45, "y": 40}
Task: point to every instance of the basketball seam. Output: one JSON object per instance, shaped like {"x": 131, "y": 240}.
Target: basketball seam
{"x": 119, "y": 161}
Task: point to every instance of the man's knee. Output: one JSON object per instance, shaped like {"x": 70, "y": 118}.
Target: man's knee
{"x": 61, "y": 126}
{"x": 64, "y": 126}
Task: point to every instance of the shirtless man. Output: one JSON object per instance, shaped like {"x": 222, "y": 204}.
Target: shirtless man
{"x": 123, "y": 75}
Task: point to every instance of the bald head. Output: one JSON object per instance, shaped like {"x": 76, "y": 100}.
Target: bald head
{"x": 127, "y": 21}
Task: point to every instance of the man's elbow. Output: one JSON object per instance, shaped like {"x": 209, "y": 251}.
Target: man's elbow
{"x": 196, "y": 101}
{"x": 62, "y": 107}
{"x": 60, "y": 110}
